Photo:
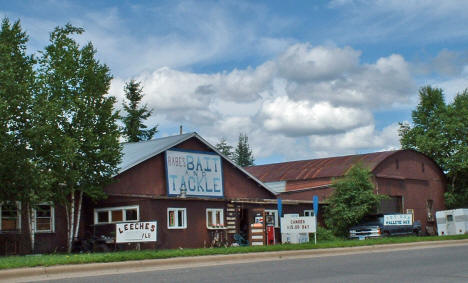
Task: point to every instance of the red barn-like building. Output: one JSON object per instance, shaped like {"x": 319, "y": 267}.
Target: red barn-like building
{"x": 413, "y": 181}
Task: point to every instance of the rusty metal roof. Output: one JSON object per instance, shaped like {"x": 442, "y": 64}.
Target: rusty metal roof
{"x": 316, "y": 168}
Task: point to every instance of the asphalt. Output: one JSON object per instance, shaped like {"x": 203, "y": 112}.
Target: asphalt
{"x": 80, "y": 270}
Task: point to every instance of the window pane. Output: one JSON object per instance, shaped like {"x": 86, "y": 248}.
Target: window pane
{"x": 117, "y": 215}
{"x": 103, "y": 217}
{"x": 43, "y": 211}
{"x": 131, "y": 214}
{"x": 43, "y": 224}
{"x": 181, "y": 218}
{"x": 218, "y": 217}
{"x": 171, "y": 218}
{"x": 8, "y": 224}
{"x": 210, "y": 218}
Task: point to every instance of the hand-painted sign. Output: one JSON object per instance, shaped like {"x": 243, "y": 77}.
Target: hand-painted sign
{"x": 398, "y": 219}
{"x": 194, "y": 174}
{"x": 136, "y": 232}
{"x": 300, "y": 224}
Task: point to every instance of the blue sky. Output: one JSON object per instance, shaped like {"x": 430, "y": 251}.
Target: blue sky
{"x": 303, "y": 79}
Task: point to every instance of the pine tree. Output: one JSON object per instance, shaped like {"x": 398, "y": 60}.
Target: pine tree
{"x": 243, "y": 154}
{"x": 224, "y": 148}
{"x": 80, "y": 126}
{"x": 134, "y": 129}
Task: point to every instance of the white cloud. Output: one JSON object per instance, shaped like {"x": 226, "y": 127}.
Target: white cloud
{"x": 303, "y": 62}
{"x": 301, "y": 118}
{"x": 327, "y": 111}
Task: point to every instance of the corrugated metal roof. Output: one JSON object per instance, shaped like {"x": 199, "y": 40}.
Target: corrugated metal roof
{"x": 133, "y": 153}
{"x": 316, "y": 168}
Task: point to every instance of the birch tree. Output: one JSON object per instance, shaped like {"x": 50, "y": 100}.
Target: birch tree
{"x": 79, "y": 123}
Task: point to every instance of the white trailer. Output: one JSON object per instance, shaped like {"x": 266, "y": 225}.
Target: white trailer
{"x": 452, "y": 222}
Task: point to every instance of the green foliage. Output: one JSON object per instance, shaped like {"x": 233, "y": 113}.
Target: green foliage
{"x": 79, "y": 126}
{"x": 441, "y": 132}
{"x": 21, "y": 175}
{"x": 224, "y": 148}
{"x": 352, "y": 199}
{"x": 324, "y": 234}
{"x": 134, "y": 129}
{"x": 243, "y": 154}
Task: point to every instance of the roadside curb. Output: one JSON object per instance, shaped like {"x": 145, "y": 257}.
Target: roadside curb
{"x": 18, "y": 274}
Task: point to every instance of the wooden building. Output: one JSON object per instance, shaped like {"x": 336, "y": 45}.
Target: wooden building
{"x": 197, "y": 196}
{"x": 414, "y": 182}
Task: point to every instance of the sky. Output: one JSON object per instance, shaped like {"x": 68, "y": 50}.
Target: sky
{"x": 303, "y": 79}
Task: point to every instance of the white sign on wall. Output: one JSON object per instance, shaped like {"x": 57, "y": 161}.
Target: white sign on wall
{"x": 194, "y": 173}
{"x": 136, "y": 232}
{"x": 300, "y": 224}
{"x": 398, "y": 219}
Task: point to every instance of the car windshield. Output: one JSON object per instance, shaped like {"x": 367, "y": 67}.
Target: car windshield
{"x": 372, "y": 220}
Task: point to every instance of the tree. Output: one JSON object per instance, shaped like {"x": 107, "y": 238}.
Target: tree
{"x": 21, "y": 176}
{"x": 243, "y": 154}
{"x": 439, "y": 131}
{"x": 224, "y": 148}
{"x": 352, "y": 199}
{"x": 79, "y": 123}
{"x": 134, "y": 129}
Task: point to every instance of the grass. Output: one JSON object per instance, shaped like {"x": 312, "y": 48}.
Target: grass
{"x": 60, "y": 259}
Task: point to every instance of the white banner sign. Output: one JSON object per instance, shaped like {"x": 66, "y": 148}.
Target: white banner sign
{"x": 195, "y": 174}
{"x": 302, "y": 224}
{"x": 398, "y": 219}
{"x": 136, "y": 232}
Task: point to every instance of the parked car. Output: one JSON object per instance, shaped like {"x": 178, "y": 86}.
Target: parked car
{"x": 373, "y": 226}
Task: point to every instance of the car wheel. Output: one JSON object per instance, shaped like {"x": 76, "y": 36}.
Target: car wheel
{"x": 386, "y": 234}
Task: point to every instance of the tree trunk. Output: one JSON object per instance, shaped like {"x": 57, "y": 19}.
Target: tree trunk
{"x": 80, "y": 201}
{"x": 71, "y": 222}
{"x": 32, "y": 230}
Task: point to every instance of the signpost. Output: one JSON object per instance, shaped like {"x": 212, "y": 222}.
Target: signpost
{"x": 136, "y": 232}
{"x": 194, "y": 174}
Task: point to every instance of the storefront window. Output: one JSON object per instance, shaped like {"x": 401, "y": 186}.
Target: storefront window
{"x": 176, "y": 218}
{"x": 116, "y": 214}
{"x": 214, "y": 218}
{"x": 10, "y": 216}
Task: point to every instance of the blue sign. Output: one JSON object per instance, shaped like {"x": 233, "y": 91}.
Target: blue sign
{"x": 280, "y": 208}
{"x": 316, "y": 205}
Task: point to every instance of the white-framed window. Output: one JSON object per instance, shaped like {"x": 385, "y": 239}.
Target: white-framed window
{"x": 116, "y": 214}
{"x": 10, "y": 216}
{"x": 176, "y": 218}
{"x": 309, "y": 212}
{"x": 214, "y": 218}
{"x": 44, "y": 218}
{"x": 274, "y": 213}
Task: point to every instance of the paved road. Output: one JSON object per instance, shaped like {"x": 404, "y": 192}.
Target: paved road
{"x": 448, "y": 264}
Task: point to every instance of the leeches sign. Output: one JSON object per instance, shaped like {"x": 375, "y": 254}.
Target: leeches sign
{"x": 136, "y": 232}
{"x": 194, "y": 174}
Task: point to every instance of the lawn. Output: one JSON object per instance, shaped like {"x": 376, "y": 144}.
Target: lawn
{"x": 58, "y": 259}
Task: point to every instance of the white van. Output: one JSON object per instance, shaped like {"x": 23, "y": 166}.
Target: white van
{"x": 452, "y": 222}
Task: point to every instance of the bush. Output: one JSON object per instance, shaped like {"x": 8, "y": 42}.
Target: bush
{"x": 324, "y": 234}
